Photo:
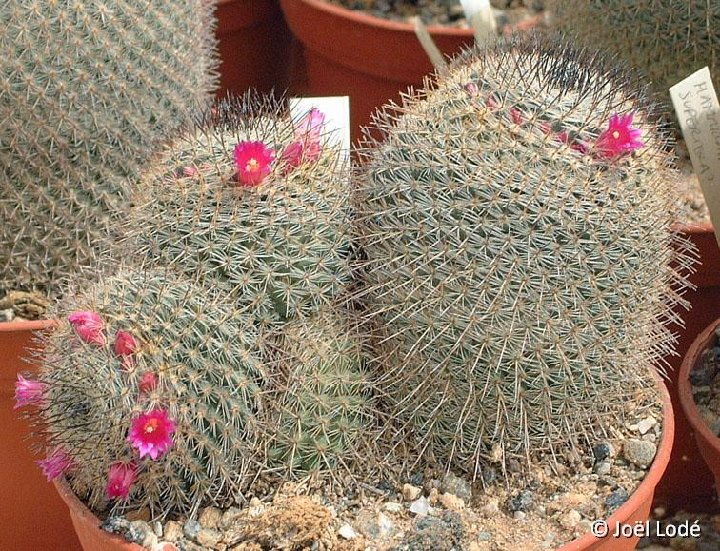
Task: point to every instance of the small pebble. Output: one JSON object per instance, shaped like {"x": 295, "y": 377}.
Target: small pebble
{"x": 519, "y": 515}
{"x": 639, "y": 452}
{"x": 208, "y": 537}
{"x": 210, "y": 517}
{"x": 173, "y": 530}
{"x": 646, "y": 424}
{"x": 410, "y": 492}
{"x": 616, "y": 499}
{"x": 570, "y": 519}
{"x": 229, "y": 516}
{"x": 420, "y": 507}
{"x": 484, "y": 536}
{"x": 451, "y": 502}
{"x": 603, "y": 451}
{"x": 521, "y": 502}
{"x": 191, "y": 529}
{"x": 346, "y": 532}
{"x": 393, "y": 507}
{"x": 491, "y": 508}
{"x": 456, "y": 485}
{"x": 602, "y": 468}
{"x": 115, "y": 525}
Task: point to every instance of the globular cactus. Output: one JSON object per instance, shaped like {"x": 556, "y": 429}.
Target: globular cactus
{"x": 150, "y": 394}
{"x": 665, "y": 39}
{"x": 253, "y": 202}
{"x": 86, "y": 92}
{"x": 516, "y": 218}
{"x": 323, "y": 405}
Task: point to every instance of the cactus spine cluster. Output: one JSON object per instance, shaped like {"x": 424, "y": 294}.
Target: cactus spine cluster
{"x": 323, "y": 409}
{"x": 665, "y": 39}
{"x": 276, "y": 239}
{"x": 519, "y": 269}
{"x": 86, "y": 91}
{"x": 194, "y": 357}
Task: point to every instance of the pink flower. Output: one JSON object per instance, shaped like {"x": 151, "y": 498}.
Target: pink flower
{"x": 125, "y": 347}
{"x": 28, "y": 392}
{"x": 57, "y": 463}
{"x": 310, "y": 126}
{"x": 148, "y": 382}
{"x": 120, "y": 479}
{"x": 253, "y": 161}
{"x": 619, "y": 138}
{"x": 151, "y": 433}
{"x": 88, "y": 326}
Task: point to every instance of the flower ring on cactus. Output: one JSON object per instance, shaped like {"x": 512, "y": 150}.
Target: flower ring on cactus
{"x": 88, "y": 326}
{"x": 28, "y": 392}
{"x": 56, "y": 464}
{"x": 120, "y": 479}
{"x": 253, "y": 160}
{"x": 125, "y": 347}
{"x": 619, "y": 138}
{"x": 151, "y": 433}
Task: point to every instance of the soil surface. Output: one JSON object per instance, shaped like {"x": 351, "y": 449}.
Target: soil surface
{"x": 537, "y": 509}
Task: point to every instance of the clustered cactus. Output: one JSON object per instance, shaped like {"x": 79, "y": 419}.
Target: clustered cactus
{"x": 139, "y": 344}
{"x": 325, "y": 402}
{"x": 515, "y": 276}
{"x": 86, "y": 92}
{"x": 254, "y": 202}
{"x": 666, "y": 39}
{"x": 520, "y": 262}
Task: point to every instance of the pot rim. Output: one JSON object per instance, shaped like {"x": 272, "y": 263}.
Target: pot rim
{"x": 361, "y": 18}
{"x": 642, "y": 493}
{"x": 646, "y": 489}
{"x": 27, "y": 325}
{"x": 687, "y": 402}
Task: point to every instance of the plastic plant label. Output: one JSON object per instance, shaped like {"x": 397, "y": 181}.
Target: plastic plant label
{"x": 698, "y": 110}
{"x": 337, "y": 116}
{"x": 480, "y": 15}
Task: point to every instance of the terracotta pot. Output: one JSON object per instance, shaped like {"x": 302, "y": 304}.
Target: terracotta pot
{"x": 32, "y": 516}
{"x": 349, "y": 53}
{"x": 255, "y": 46}
{"x": 688, "y": 482}
{"x": 707, "y": 442}
{"x": 87, "y": 525}
{"x": 637, "y": 508}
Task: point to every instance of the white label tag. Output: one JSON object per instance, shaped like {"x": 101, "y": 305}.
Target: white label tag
{"x": 337, "y": 116}
{"x": 479, "y": 14}
{"x": 698, "y": 110}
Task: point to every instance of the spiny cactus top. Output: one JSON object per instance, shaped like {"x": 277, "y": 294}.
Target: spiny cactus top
{"x": 86, "y": 90}
{"x": 251, "y": 201}
{"x": 149, "y": 394}
{"x": 520, "y": 264}
{"x": 666, "y": 39}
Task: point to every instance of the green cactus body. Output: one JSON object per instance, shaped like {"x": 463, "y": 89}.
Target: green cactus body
{"x": 519, "y": 282}
{"x": 323, "y": 407}
{"x": 86, "y": 91}
{"x": 666, "y": 39}
{"x": 279, "y": 247}
{"x": 208, "y": 378}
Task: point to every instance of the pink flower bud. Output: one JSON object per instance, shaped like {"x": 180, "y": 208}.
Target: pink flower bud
{"x": 148, "y": 382}
{"x": 125, "y": 346}
{"x": 120, "y": 479}
{"x": 56, "y": 464}
{"x": 28, "y": 392}
{"x": 88, "y": 326}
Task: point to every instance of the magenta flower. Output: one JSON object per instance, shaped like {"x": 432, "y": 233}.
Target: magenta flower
{"x": 120, "y": 479}
{"x": 619, "y": 138}
{"x": 88, "y": 326}
{"x": 28, "y": 392}
{"x": 57, "y": 463}
{"x": 253, "y": 160}
{"x": 125, "y": 347}
{"x": 151, "y": 433}
{"x": 148, "y": 382}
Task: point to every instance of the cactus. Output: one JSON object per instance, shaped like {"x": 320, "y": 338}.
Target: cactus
{"x": 149, "y": 347}
{"x": 666, "y": 39}
{"x": 86, "y": 92}
{"x": 323, "y": 406}
{"x": 253, "y": 202}
{"x": 520, "y": 263}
